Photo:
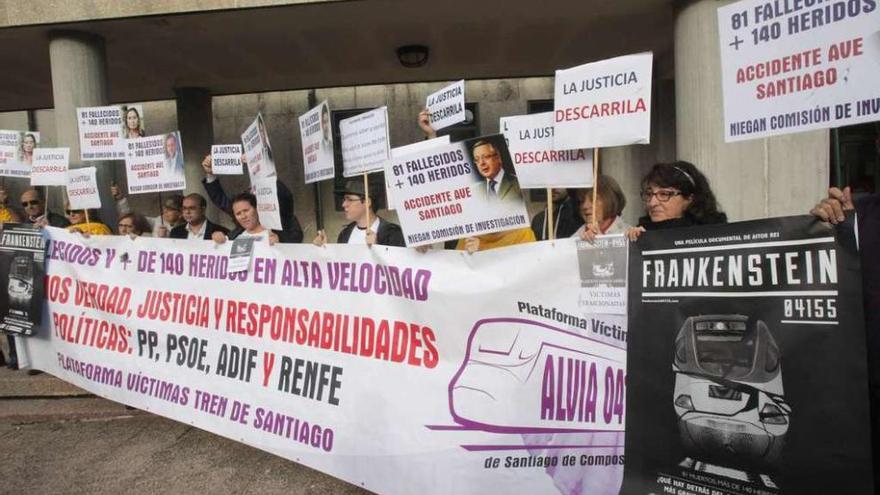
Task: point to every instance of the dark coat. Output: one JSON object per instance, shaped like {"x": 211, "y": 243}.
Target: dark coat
{"x": 389, "y": 234}
{"x": 289, "y": 223}
{"x": 180, "y": 231}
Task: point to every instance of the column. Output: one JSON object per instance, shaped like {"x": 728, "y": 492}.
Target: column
{"x": 195, "y": 120}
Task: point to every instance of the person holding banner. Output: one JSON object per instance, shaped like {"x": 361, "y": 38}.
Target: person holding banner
{"x": 289, "y": 223}
{"x": 133, "y": 126}
{"x": 676, "y": 195}
{"x": 244, "y": 207}
{"x": 197, "y": 226}
{"x": 26, "y": 149}
{"x": 132, "y": 225}
{"x": 359, "y": 210}
{"x": 566, "y": 215}
{"x": 34, "y": 205}
{"x": 160, "y": 225}
{"x": 610, "y": 202}
{"x": 86, "y": 224}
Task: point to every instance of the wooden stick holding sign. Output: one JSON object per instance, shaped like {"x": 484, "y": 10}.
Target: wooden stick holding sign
{"x": 596, "y": 212}
{"x": 550, "y": 214}
{"x": 367, "y": 198}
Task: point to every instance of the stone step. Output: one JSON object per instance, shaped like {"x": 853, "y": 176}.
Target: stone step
{"x": 39, "y": 410}
{"x": 19, "y": 384}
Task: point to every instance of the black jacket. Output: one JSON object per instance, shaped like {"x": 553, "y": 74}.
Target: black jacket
{"x": 289, "y": 223}
{"x": 389, "y": 234}
{"x": 55, "y": 220}
{"x": 566, "y": 220}
{"x": 180, "y": 231}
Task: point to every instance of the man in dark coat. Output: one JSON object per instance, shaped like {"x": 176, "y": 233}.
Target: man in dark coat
{"x": 197, "y": 226}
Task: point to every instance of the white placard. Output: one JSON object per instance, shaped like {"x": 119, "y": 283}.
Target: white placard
{"x": 538, "y": 165}
{"x": 103, "y": 130}
{"x": 446, "y": 107}
{"x": 457, "y": 190}
{"x": 82, "y": 189}
{"x": 258, "y": 150}
{"x": 606, "y": 103}
{"x": 811, "y": 65}
{"x": 403, "y": 151}
{"x": 226, "y": 159}
{"x": 50, "y": 167}
{"x": 316, "y": 135}
{"x": 365, "y": 142}
{"x": 17, "y": 152}
{"x": 266, "y": 191}
{"x": 155, "y": 163}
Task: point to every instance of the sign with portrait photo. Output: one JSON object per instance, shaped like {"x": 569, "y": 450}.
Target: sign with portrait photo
{"x": 155, "y": 164}
{"x": 316, "y": 133}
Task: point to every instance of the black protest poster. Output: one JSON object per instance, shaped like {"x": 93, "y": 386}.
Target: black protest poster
{"x": 22, "y": 271}
{"x": 746, "y": 362}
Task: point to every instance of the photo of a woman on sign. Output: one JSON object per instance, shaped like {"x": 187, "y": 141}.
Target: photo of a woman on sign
{"x": 173, "y": 155}
{"x": 26, "y": 148}
{"x": 132, "y": 123}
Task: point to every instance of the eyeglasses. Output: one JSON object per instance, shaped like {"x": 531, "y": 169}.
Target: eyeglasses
{"x": 125, "y": 226}
{"x": 351, "y": 199}
{"x": 74, "y": 212}
{"x": 663, "y": 195}
{"x": 33, "y": 202}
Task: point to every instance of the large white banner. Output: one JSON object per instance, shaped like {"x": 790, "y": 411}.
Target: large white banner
{"x": 446, "y": 106}
{"x": 605, "y": 103}
{"x": 798, "y": 66}
{"x": 17, "y": 152}
{"x": 365, "y": 142}
{"x": 50, "y": 166}
{"x": 537, "y": 164}
{"x": 397, "y": 371}
{"x": 155, "y": 163}
{"x": 458, "y": 190}
{"x": 316, "y": 133}
{"x": 258, "y": 150}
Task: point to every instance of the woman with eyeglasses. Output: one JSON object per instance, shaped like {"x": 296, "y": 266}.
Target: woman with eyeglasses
{"x": 78, "y": 223}
{"x": 132, "y": 225}
{"x": 676, "y": 195}
{"x": 610, "y": 202}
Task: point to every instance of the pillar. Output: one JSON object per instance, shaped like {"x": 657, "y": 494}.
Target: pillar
{"x": 78, "y": 64}
{"x": 195, "y": 120}
{"x": 752, "y": 179}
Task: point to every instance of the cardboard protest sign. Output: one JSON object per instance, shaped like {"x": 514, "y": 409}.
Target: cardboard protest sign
{"x": 226, "y": 159}
{"x": 403, "y": 151}
{"x": 258, "y": 150}
{"x": 155, "y": 164}
{"x": 317, "y": 143}
{"x": 365, "y": 142}
{"x": 17, "y": 152}
{"x": 809, "y": 65}
{"x": 606, "y": 103}
{"x": 446, "y": 106}
{"x": 103, "y": 130}
{"x": 537, "y": 163}
{"x": 457, "y": 190}
{"x": 266, "y": 191}
{"x": 82, "y": 189}
{"x": 50, "y": 167}
{"x": 746, "y": 366}
{"x": 22, "y": 275}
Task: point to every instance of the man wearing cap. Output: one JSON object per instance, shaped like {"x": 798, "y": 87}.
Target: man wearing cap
{"x": 196, "y": 226}
{"x": 162, "y": 224}
{"x": 358, "y": 208}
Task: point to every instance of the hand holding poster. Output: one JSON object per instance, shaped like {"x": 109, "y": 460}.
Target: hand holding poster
{"x": 458, "y": 190}
{"x": 606, "y": 103}
{"x": 537, "y": 163}
{"x": 17, "y": 152}
{"x": 403, "y": 151}
{"x": 226, "y": 159}
{"x": 50, "y": 167}
{"x": 446, "y": 107}
{"x": 258, "y": 150}
{"x": 365, "y": 143}
{"x": 747, "y": 370}
{"x": 82, "y": 189}
{"x": 809, "y": 65}
{"x": 155, "y": 164}
{"x": 266, "y": 191}
{"x": 317, "y": 143}
{"x": 103, "y": 130}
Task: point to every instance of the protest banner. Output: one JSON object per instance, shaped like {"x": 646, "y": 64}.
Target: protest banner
{"x": 316, "y": 136}
{"x": 365, "y": 142}
{"x": 605, "y": 103}
{"x": 226, "y": 159}
{"x": 50, "y": 167}
{"x": 82, "y": 189}
{"x": 155, "y": 164}
{"x": 17, "y": 152}
{"x": 747, "y": 366}
{"x": 458, "y": 190}
{"x": 258, "y": 150}
{"x": 403, "y": 151}
{"x": 22, "y": 268}
{"x": 372, "y": 365}
{"x": 103, "y": 130}
{"x": 798, "y": 66}
{"x": 266, "y": 191}
{"x": 446, "y": 106}
{"x": 538, "y": 165}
